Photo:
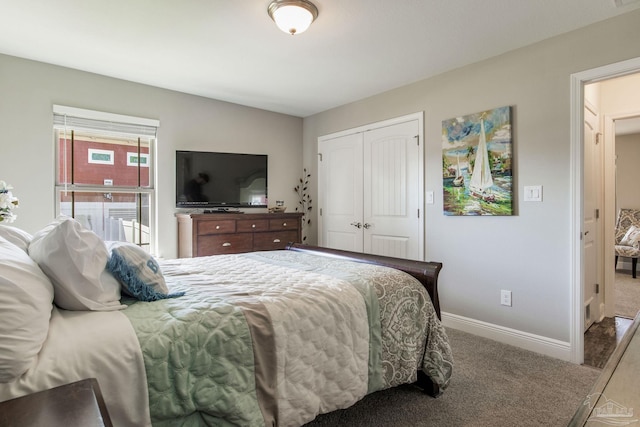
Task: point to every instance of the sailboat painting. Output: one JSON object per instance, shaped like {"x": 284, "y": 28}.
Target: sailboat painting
{"x": 477, "y": 154}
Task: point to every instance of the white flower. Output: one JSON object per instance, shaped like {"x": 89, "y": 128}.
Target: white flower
{"x": 6, "y": 200}
{"x": 7, "y": 203}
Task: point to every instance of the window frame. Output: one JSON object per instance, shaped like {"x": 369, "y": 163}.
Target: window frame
{"x": 90, "y": 115}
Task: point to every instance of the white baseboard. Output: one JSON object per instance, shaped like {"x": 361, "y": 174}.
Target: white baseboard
{"x": 539, "y": 344}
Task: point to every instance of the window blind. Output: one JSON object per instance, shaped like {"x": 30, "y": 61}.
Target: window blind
{"x": 68, "y": 118}
{"x": 64, "y": 121}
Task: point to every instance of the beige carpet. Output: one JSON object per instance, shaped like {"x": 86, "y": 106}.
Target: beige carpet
{"x": 627, "y": 294}
{"x": 493, "y": 385}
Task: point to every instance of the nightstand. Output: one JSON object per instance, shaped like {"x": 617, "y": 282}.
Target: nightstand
{"x": 76, "y": 404}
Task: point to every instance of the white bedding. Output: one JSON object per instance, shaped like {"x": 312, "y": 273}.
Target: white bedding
{"x": 335, "y": 341}
{"x": 97, "y": 344}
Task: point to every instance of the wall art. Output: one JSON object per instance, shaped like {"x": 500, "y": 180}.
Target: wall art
{"x": 477, "y": 154}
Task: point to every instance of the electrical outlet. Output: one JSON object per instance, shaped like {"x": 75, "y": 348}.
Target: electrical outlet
{"x": 505, "y": 298}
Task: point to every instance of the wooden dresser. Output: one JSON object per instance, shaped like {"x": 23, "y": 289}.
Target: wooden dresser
{"x": 231, "y": 233}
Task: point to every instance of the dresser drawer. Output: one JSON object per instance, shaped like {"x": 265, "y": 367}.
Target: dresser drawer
{"x": 216, "y": 244}
{"x": 245, "y": 225}
{"x": 284, "y": 224}
{"x": 273, "y": 240}
{"x": 216, "y": 227}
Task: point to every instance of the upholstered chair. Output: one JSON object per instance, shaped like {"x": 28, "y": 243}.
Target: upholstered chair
{"x": 628, "y": 236}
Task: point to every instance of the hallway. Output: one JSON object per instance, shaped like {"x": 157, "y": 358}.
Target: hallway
{"x": 601, "y": 338}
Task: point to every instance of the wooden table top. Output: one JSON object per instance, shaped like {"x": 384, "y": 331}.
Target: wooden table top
{"x": 76, "y": 404}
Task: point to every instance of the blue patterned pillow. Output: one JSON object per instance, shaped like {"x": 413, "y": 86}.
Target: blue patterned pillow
{"x": 138, "y": 272}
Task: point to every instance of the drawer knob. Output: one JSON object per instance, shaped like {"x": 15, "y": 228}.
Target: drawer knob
{"x": 284, "y": 224}
{"x": 217, "y": 227}
{"x": 253, "y": 226}
{"x": 226, "y": 244}
{"x": 276, "y": 240}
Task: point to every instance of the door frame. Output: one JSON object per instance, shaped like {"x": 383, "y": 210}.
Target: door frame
{"x": 577, "y": 82}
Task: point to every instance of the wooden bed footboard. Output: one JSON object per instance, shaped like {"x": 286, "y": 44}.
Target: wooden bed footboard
{"x": 425, "y": 272}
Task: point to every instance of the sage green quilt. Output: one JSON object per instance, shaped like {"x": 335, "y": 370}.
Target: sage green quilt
{"x": 276, "y": 338}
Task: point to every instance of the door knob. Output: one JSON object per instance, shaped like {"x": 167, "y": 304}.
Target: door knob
{"x": 356, "y": 224}
{"x": 367, "y": 225}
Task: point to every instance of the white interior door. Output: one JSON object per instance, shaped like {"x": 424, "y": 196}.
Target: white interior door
{"x": 591, "y": 205}
{"x": 393, "y": 223}
{"x": 340, "y": 192}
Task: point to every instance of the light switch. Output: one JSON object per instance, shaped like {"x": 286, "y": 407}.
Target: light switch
{"x": 429, "y": 197}
{"x": 533, "y": 193}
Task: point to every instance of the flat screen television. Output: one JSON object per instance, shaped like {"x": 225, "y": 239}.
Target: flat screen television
{"x": 207, "y": 179}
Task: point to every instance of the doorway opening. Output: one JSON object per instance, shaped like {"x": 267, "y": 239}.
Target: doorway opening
{"x": 626, "y": 139}
{"x": 602, "y": 338}
{"x": 606, "y": 211}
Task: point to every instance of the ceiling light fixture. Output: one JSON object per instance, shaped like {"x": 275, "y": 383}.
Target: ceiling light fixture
{"x": 293, "y": 16}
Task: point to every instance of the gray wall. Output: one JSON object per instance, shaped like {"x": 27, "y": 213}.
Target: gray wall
{"x": 628, "y": 171}
{"x": 28, "y": 90}
{"x": 528, "y": 253}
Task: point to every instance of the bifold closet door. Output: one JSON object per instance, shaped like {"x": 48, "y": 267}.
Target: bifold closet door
{"x": 340, "y": 193}
{"x": 392, "y": 174}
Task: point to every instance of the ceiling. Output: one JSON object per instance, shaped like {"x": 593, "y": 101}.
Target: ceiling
{"x": 230, "y": 50}
{"x": 627, "y": 126}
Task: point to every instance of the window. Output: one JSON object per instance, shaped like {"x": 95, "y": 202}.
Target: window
{"x": 138, "y": 160}
{"x": 104, "y": 173}
{"x": 103, "y": 157}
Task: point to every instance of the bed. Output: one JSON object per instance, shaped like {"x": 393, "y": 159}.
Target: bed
{"x": 264, "y": 338}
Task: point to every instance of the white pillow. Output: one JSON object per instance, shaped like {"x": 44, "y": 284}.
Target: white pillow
{"x": 18, "y": 237}
{"x": 139, "y": 264}
{"x": 26, "y": 301}
{"x": 74, "y": 258}
{"x": 631, "y": 237}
